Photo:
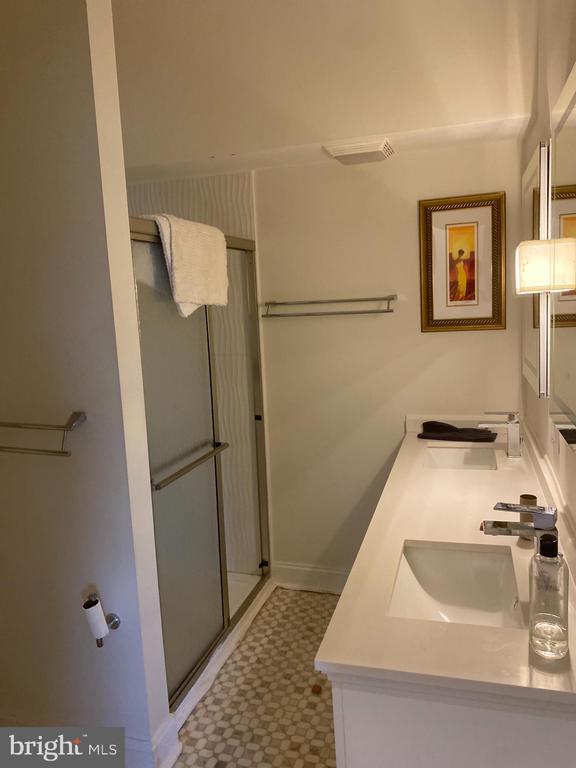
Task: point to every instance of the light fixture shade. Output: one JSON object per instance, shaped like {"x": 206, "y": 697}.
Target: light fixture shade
{"x": 546, "y": 265}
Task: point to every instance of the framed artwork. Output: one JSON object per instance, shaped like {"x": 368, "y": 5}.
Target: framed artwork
{"x": 563, "y": 225}
{"x": 463, "y": 263}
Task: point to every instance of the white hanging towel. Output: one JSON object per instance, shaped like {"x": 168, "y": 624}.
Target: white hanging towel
{"x": 196, "y": 261}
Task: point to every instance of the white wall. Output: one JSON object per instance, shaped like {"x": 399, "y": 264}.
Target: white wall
{"x": 554, "y": 50}
{"x": 207, "y": 81}
{"x": 69, "y": 342}
{"x": 338, "y": 388}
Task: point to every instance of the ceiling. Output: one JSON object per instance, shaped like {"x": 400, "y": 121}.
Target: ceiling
{"x": 225, "y": 83}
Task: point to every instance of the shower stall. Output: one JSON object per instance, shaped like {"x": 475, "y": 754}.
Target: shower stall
{"x": 203, "y": 398}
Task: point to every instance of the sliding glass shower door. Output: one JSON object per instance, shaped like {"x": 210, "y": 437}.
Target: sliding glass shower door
{"x": 180, "y": 422}
{"x": 234, "y": 336}
{"x": 203, "y": 400}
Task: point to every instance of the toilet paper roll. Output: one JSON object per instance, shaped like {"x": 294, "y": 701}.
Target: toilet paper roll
{"x": 95, "y": 618}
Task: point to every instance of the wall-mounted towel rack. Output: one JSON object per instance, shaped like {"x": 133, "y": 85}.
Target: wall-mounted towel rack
{"x": 271, "y": 305}
{"x": 146, "y": 231}
{"x": 77, "y": 418}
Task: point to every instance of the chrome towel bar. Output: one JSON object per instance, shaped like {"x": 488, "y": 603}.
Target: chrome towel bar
{"x": 77, "y": 418}
{"x": 146, "y": 231}
{"x": 271, "y": 305}
{"x": 160, "y": 484}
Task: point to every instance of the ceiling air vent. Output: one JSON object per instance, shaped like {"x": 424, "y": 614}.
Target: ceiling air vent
{"x": 367, "y": 150}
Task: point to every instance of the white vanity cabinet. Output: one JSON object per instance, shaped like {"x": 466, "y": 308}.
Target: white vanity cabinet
{"x": 422, "y": 692}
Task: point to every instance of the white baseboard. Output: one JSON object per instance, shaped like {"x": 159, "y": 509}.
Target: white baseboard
{"x": 220, "y": 656}
{"x": 166, "y": 744}
{"x": 302, "y": 576}
{"x": 165, "y": 747}
{"x": 161, "y": 752}
{"x": 139, "y": 753}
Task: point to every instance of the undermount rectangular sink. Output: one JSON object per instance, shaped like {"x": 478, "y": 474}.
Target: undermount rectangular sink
{"x": 457, "y": 583}
{"x": 443, "y": 457}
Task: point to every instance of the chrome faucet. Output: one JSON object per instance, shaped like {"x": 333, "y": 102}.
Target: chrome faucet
{"x": 543, "y": 521}
{"x": 512, "y": 423}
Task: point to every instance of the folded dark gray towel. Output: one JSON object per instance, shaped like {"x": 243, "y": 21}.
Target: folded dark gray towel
{"x": 569, "y": 435}
{"x": 439, "y": 430}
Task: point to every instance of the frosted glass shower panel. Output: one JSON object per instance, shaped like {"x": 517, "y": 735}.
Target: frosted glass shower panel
{"x": 235, "y": 362}
{"x": 175, "y": 362}
{"x": 186, "y": 532}
{"x": 179, "y": 418}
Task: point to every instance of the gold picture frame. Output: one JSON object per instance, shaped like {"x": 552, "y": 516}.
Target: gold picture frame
{"x": 566, "y": 192}
{"x": 463, "y": 263}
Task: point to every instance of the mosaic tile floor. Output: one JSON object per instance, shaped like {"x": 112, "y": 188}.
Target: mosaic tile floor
{"x": 268, "y": 707}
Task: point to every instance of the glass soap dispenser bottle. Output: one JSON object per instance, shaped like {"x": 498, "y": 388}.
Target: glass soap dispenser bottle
{"x": 549, "y": 600}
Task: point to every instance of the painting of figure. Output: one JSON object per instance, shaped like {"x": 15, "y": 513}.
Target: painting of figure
{"x": 568, "y": 225}
{"x": 462, "y": 269}
{"x": 463, "y": 263}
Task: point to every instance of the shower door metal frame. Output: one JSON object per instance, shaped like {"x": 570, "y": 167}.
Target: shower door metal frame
{"x": 146, "y": 231}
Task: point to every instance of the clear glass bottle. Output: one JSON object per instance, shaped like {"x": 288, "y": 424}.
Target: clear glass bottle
{"x": 549, "y": 600}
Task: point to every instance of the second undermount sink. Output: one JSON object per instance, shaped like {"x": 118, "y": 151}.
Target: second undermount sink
{"x": 457, "y": 583}
{"x": 444, "y": 457}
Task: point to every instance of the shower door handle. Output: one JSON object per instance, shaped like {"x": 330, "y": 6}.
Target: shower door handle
{"x": 160, "y": 484}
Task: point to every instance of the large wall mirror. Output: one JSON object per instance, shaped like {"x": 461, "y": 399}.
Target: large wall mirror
{"x": 563, "y": 224}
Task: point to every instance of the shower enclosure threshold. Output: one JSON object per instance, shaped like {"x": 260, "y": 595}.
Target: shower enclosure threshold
{"x": 239, "y": 587}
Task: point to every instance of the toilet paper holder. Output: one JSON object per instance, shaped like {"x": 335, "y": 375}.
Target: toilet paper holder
{"x": 100, "y": 624}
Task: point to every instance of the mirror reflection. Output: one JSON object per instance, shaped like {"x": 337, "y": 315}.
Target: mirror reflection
{"x": 563, "y": 362}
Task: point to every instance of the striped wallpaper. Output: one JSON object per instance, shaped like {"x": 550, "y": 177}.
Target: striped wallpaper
{"x": 222, "y": 201}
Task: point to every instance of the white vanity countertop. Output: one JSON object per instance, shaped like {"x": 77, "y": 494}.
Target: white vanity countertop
{"x": 443, "y": 505}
